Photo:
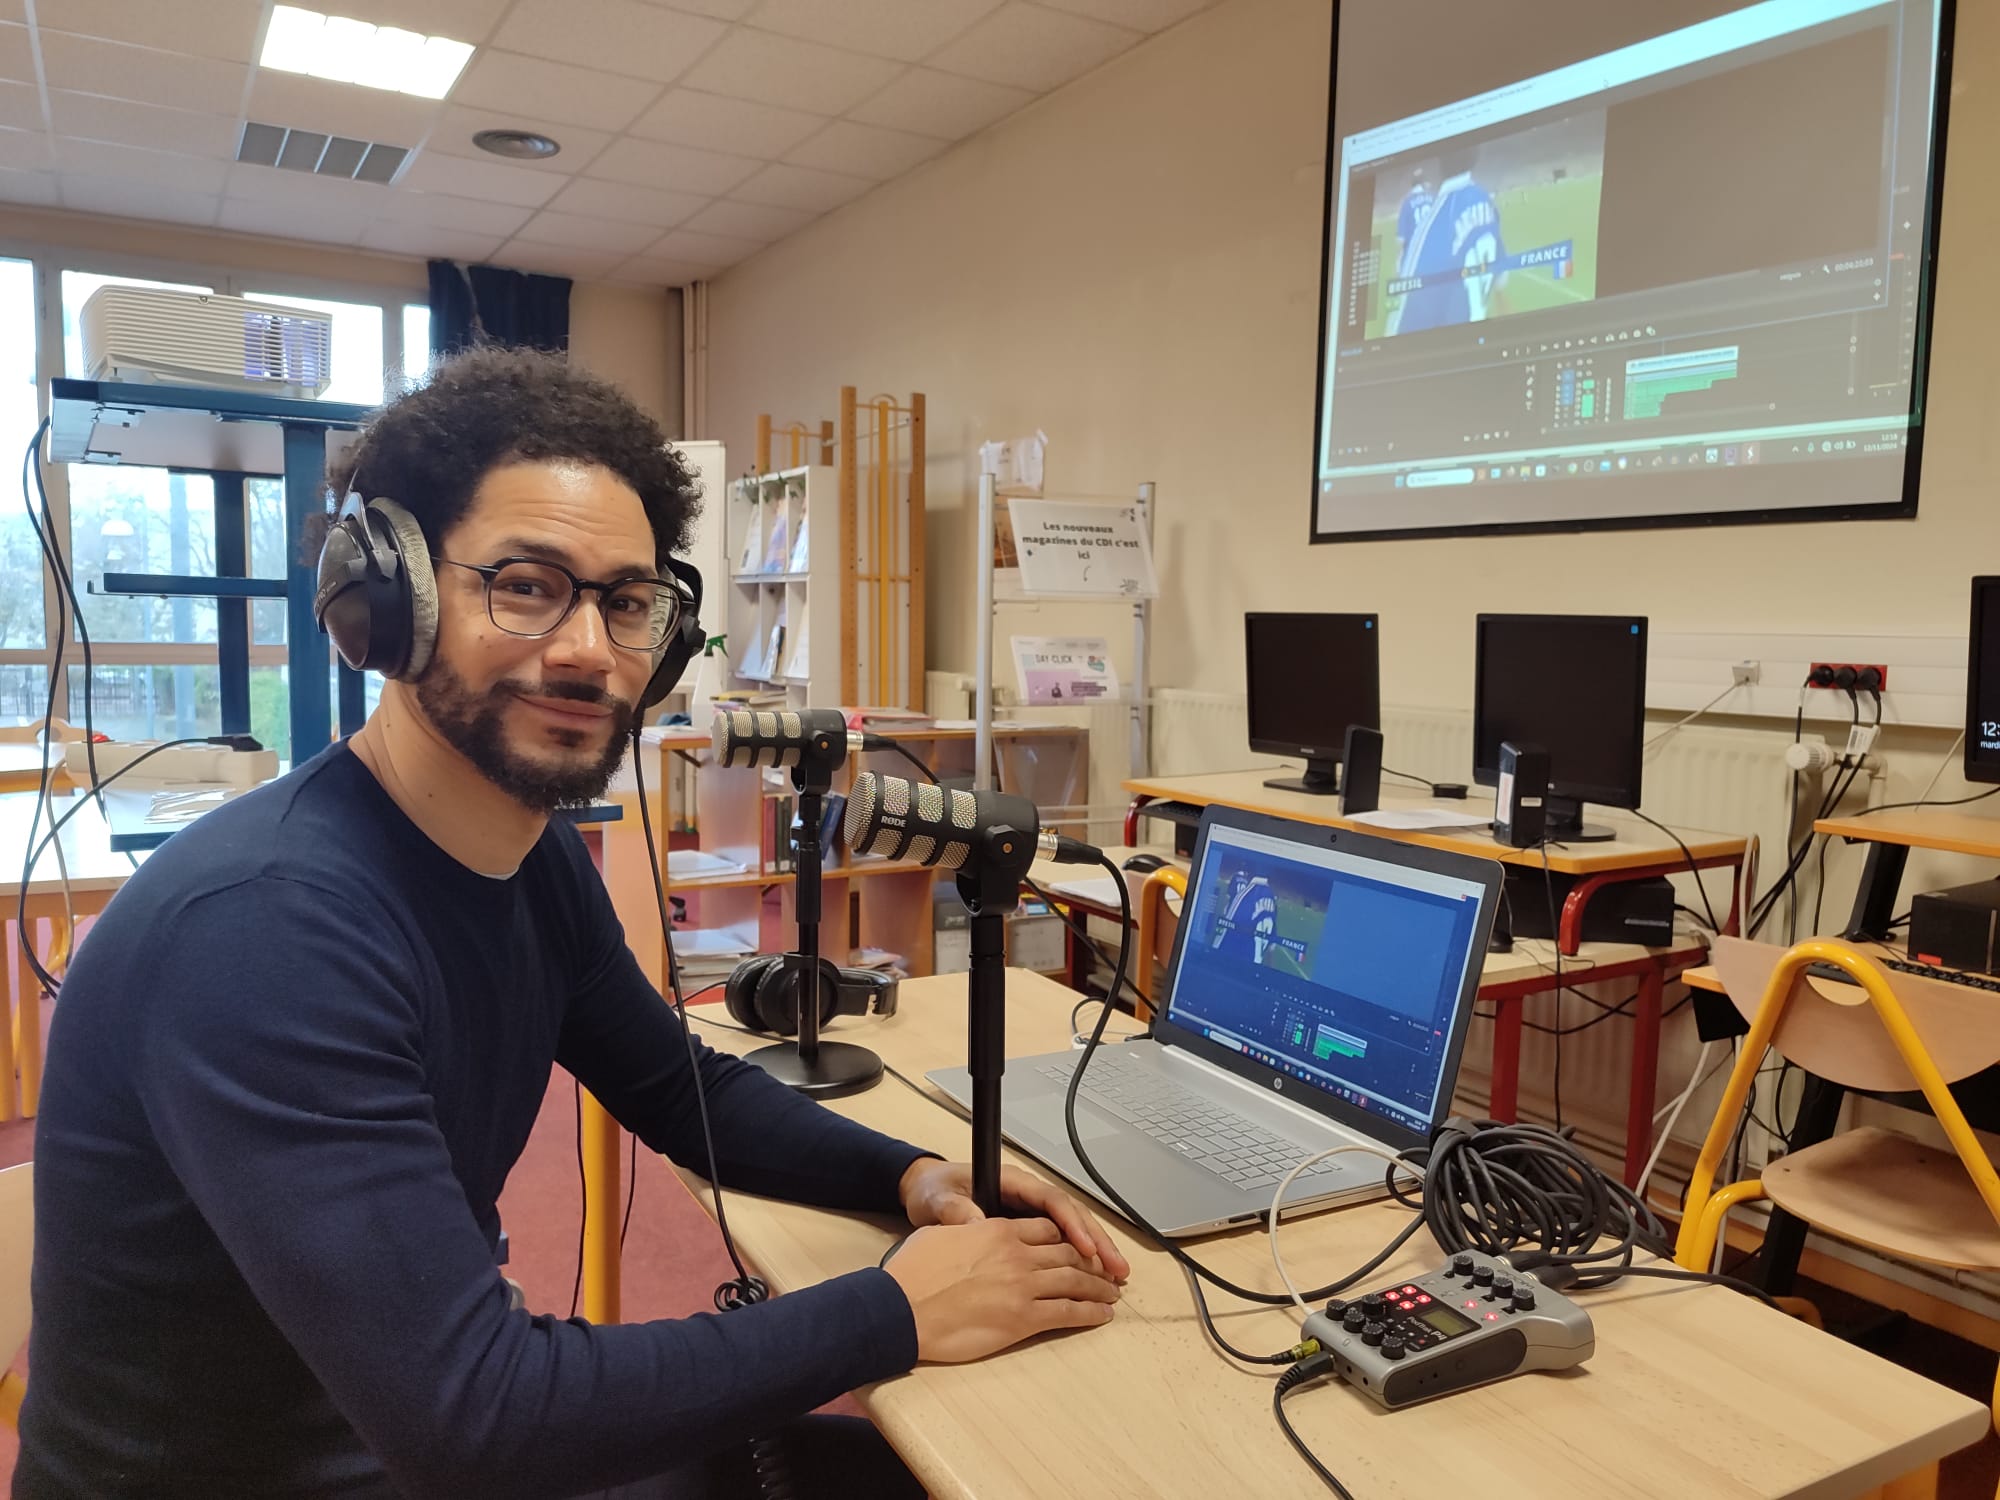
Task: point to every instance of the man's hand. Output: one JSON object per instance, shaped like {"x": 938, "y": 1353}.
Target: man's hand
{"x": 940, "y": 1192}
{"x": 975, "y": 1288}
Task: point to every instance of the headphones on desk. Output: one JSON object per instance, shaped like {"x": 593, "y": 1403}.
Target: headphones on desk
{"x": 762, "y": 994}
{"x": 377, "y": 597}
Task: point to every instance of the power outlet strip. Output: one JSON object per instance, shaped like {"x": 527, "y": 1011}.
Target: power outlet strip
{"x": 1820, "y": 674}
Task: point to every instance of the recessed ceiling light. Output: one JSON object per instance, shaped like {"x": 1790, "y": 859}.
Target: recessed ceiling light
{"x": 349, "y": 51}
{"x": 523, "y": 144}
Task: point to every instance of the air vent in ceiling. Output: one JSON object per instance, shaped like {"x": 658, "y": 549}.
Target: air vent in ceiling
{"x": 322, "y": 155}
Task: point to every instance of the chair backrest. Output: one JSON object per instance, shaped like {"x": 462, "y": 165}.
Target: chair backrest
{"x": 17, "y": 1243}
{"x": 1830, "y": 1029}
{"x": 31, "y": 733}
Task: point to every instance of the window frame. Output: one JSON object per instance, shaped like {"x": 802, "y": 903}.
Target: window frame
{"x": 48, "y": 264}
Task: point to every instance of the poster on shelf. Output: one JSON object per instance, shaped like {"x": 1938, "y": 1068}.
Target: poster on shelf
{"x": 1064, "y": 669}
{"x": 1080, "y": 547}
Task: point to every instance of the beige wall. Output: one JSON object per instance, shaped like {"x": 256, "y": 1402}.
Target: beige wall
{"x": 1133, "y": 265}
{"x": 628, "y": 334}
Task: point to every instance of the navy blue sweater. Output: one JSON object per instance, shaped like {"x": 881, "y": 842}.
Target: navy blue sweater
{"x": 289, "y": 1072}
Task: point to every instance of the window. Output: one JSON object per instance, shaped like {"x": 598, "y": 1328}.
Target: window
{"x": 22, "y": 623}
{"x": 416, "y": 342}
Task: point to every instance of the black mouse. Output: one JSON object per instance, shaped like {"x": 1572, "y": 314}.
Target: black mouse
{"x": 1143, "y": 864}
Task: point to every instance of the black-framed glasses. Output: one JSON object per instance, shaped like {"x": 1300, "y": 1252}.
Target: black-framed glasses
{"x": 531, "y": 597}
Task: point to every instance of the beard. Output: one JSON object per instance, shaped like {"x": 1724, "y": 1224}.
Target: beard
{"x": 474, "y": 724}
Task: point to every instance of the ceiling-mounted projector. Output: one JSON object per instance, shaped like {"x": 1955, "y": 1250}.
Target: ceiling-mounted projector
{"x": 151, "y": 335}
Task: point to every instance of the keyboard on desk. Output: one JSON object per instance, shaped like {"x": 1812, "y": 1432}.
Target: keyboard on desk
{"x": 1839, "y": 975}
{"x": 1205, "y": 1132}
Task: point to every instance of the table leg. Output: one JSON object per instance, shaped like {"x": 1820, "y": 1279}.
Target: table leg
{"x": 1503, "y": 1097}
{"x": 1645, "y": 1073}
{"x": 13, "y": 981}
{"x": 1785, "y": 1236}
{"x": 27, "y": 1023}
{"x": 1875, "y": 900}
{"x": 1132, "y": 820}
{"x": 600, "y": 1212}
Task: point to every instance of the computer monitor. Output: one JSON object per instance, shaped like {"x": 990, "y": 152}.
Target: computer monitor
{"x": 1575, "y": 685}
{"x": 1310, "y": 677}
{"x": 1982, "y": 684}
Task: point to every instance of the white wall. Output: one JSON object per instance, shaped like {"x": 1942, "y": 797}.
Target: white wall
{"x": 1133, "y": 265}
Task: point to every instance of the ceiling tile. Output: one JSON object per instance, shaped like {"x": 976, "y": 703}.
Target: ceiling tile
{"x": 187, "y": 174}
{"x": 627, "y": 202}
{"x": 461, "y": 20}
{"x": 147, "y": 125}
{"x": 1032, "y": 48}
{"x": 28, "y": 187}
{"x": 207, "y": 85}
{"x": 645, "y": 40}
{"x": 558, "y": 260}
{"x": 552, "y": 90}
{"x": 468, "y": 216}
{"x": 25, "y": 150}
{"x": 780, "y": 186}
{"x": 864, "y": 150}
{"x": 940, "y": 104}
{"x": 722, "y": 10}
{"x": 1140, "y": 15}
{"x": 682, "y": 168}
{"x": 660, "y": 272}
{"x": 457, "y": 125}
{"x": 341, "y": 108}
{"x": 428, "y": 241}
{"x": 496, "y": 181}
{"x": 211, "y": 28}
{"x": 280, "y": 187}
{"x": 582, "y": 233}
{"x": 287, "y": 222}
{"x": 799, "y": 75}
{"x": 17, "y": 54}
{"x": 688, "y": 117}
{"x": 20, "y": 107}
{"x": 905, "y": 29}
{"x": 134, "y": 200}
{"x": 709, "y": 252}
{"x": 14, "y": 10}
{"x": 760, "y": 222}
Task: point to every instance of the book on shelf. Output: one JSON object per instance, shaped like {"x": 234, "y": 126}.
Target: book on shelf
{"x": 889, "y": 719}
{"x": 776, "y": 546}
{"x": 798, "y": 662}
{"x": 801, "y": 545}
{"x": 752, "y": 540}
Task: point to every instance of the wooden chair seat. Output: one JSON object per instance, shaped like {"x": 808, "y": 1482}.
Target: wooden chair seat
{"x": 1890, "y": 1193}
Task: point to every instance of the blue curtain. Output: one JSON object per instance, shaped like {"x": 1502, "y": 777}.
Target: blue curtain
{"x": 475, "y": 304}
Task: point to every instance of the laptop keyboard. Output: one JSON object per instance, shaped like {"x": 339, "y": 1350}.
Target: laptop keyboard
{"x": 1230, "y": 1145}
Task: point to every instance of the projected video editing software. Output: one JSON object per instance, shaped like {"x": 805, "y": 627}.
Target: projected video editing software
{"x": 1342, "y": 974}
{"x": 1654, "y": 272}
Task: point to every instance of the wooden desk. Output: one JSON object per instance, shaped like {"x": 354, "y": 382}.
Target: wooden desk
{"x": 1640, "y": 851}
{"x": 95, "y": 876}
{"x": 1890, "y": 837}
{"x": 1693, "y": 1391}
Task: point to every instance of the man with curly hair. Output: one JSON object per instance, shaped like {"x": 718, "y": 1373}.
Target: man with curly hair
{"x": 295, "y": 1061}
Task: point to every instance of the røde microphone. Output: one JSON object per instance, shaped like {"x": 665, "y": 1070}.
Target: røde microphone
{"x": 951, "y": 830}
{"x": 746, "y": 737}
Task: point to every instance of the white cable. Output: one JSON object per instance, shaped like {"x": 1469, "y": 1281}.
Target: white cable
{"x": 1949, "y": 756}
{"x": 1663, "y": 1133}
{"x": 1679, "y": 725}
{"x": 1278, "y": 1199}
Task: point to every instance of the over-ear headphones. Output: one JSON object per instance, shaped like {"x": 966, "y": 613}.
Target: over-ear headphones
{"x": 762, "y": 994}
{"x": 377, "y": 598}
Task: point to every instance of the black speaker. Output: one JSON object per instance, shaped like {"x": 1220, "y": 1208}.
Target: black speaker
{"x": 1520, "y": 803}
{"x": 1361, "y": 770}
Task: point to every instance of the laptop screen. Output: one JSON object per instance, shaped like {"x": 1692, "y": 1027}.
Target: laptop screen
{"x": 1338, "y": 970}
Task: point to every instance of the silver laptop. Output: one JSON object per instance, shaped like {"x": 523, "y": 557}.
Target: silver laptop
{"x": 1320, "y": 989}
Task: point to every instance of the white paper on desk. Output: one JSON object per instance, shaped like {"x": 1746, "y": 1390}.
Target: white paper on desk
{"x": 1102, "y": 891}
{"x": 1416, "y": 819}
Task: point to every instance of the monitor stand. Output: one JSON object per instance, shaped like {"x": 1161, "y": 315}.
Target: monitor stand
{"x": 1563, "y": 823}
{"x": 1322, "y": 779}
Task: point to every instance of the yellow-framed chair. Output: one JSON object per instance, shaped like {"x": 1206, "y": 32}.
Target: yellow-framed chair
{"x": 1152, "y": 908}
{"x": 1866, "y": 1185}
{"x": 17, "y": 1244}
